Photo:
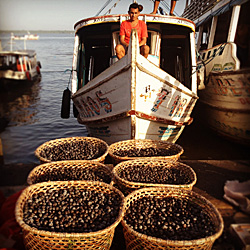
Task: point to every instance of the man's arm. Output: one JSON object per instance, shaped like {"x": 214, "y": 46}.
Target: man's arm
{"x": 122, "y": 41}
{"x": 143, "y": 41}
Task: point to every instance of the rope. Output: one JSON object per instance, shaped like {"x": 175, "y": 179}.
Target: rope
{"x": 108, "y": 12}
{"x": 69, "y": 75}
{"x": 105, "y": 5}
{"x": 205, "y": 62}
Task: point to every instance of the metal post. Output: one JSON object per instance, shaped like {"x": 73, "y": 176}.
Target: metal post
{"x": 24, "y": 43}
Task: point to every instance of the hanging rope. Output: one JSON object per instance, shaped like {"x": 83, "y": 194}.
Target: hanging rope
{"x": 69, "y": 75}
{"x": 105, "y": 5}
{"x": 205, "y": 62}
{"x": 109, "y": 11}
{"x": 166, "y": 5}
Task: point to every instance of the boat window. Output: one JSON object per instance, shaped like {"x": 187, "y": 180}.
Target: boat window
{"x": 95, "y": 52}
{"x": 222, "y": 28}
{"x": 153, "y": 42}
{"x": 205, "y": 35}
{"x": 176, "y": 53}
{"x": 115, "y": 41}
{"x": 3, "y": 62}
{"x": 8, "y": 62}
{"x": 81, "y": 66}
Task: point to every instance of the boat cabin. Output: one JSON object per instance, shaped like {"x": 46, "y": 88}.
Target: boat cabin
{"x": 171, "y": 42}
{"x": 222, "y": 26}
{"x": 17, "y": 61}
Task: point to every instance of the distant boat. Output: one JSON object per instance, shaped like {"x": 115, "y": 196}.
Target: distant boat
{"x": 31, "y": 36}
{"x": 18, "y": 66}
{"x": 135, "y": 97}
{"x": 223, "y": 31}
{"x": 28, "y": 36}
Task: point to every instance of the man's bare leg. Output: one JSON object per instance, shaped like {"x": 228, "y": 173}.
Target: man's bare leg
{"x": 144, "y": 50}
{"x": 120, "y": 51}
{"x": 156, "y": 5}
{"x": 173, "y": 3}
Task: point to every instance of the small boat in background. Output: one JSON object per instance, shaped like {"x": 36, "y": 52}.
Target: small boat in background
{"x": 31, "y": 36}
{"x": 18, "y": 67}
{"x": 134, "y": 97}
{"x": 28, "y": 36}
{"x": 223, "y": 42}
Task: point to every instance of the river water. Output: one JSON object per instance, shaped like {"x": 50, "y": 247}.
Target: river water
{"x": 33, "y": 112}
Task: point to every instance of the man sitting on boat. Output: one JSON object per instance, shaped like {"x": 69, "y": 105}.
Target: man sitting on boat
{"x": 125, "y": 30}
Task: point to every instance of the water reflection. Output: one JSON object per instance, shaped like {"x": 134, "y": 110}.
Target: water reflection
{"x": 18, "y": 104}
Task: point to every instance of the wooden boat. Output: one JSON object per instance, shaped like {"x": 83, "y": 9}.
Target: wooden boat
{"x": 18, "y": 67}
{"x": 135, "y": 97}
{"x": 223, "y": 27}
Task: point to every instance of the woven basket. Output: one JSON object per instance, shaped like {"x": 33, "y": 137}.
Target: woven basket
{"x": 128, "y": 186}
{"x": 143, "y": 144}
{"x": 135, "y": 240}
{"x": 54, "y": 171}
{"x": 39, "y": 239}
{"x": 97, "y": 146}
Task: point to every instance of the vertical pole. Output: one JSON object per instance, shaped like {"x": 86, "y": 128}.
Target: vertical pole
{"x": 212, "y": 32}
{"x": 74, "y": 81}
{"x": 233, "y": 24}
{"x": 193, "y": 62}
{"x": 11, "y": 44}
{"x": 200, "y": 37}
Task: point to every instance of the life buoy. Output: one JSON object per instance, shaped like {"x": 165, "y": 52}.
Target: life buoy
{"x": 28, "y": 75}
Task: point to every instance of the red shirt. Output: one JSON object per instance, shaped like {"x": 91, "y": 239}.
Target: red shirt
{"x": 126, "y": 28}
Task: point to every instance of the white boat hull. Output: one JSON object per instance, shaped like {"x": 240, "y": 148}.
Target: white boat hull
{"x": 227, "y": 104}
{"x": 223, "y": 45}
{"x": 134, "y": 99}
{"x": 121, "y": 130}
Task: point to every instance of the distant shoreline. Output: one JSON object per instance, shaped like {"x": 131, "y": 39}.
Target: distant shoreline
{"x": 36, "y": 31}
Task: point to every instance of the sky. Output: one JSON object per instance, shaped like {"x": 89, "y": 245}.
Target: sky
{"x": 62, "y": 14}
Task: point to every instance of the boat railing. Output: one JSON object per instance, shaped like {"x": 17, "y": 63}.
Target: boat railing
{"x": 220, "y": 58}
{"x": 197, "y": 8}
